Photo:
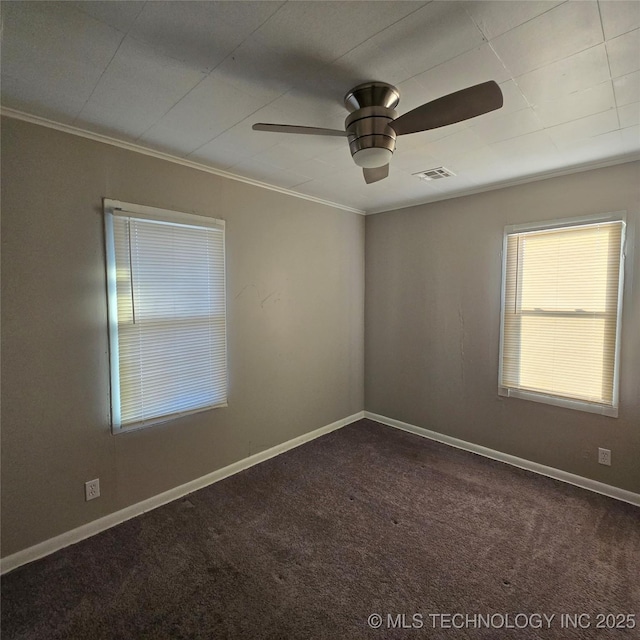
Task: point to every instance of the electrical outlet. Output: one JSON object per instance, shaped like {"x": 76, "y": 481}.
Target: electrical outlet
{"x": 604, "y": 456}
{"x": 92, "y": 489}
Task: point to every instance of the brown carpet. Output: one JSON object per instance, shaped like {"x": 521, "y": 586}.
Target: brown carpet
{"x": 365, "y": 520}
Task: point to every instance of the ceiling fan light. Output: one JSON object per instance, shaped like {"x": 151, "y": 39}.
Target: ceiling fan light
{"x": 372, "y": 157}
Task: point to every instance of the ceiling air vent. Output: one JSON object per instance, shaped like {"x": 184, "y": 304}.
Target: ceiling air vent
{"x": 435, "y": 174}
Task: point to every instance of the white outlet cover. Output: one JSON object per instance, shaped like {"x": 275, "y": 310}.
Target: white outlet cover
{"x": 604, "y": 456}
{"x": 92, "y": 489}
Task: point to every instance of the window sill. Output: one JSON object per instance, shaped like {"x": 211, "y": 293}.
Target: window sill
{"x": 136, "y": 426}
{"x": 566, "y": 403}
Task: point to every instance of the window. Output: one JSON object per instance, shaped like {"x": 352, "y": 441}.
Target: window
{"x": 167, "y": 320}
{"x": 561, "y": 307}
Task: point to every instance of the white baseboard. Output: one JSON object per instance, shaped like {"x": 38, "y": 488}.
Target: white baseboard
{"x": 92, "y": 528}
{"x": 551, "y": 472}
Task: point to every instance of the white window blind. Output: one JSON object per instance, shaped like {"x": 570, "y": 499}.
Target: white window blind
{"x": 167, "y": 314}
{"x": 560, "y": 319}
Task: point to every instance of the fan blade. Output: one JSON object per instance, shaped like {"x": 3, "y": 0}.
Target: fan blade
{"x": 455, "y": 107}
{"x": 378, "y": 173}
{"x": 292, "y": 128}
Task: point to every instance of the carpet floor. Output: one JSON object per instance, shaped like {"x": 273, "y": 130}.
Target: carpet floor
{"x": 438, "y": 542}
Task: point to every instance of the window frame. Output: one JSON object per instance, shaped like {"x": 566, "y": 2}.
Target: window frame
{"x": 545, "y": 398}
{"x": 113, "y": 208}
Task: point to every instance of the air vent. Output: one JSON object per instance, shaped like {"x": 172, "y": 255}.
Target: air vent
{"x": 435, "y": 174}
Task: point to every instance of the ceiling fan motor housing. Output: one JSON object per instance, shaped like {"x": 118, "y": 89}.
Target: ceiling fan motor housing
{"x": 372, "y": 140}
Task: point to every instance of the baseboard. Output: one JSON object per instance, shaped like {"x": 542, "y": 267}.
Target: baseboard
{"x": 551, "y": 472}
{"x": 52, "y": 545}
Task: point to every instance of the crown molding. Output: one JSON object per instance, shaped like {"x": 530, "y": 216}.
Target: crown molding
{"x": 132, "y": 146}
{"x": 556, "y": 173}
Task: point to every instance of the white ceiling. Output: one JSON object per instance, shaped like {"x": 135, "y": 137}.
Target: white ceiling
{"x": 190, "y": 78}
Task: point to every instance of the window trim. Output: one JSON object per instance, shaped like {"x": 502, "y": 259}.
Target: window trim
{"x": 113, "y": 208}
{"x": 546, "y": 398}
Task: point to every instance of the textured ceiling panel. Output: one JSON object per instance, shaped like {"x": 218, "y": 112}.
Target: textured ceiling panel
{"x": 567, "y": 29}
{"x": 624, "y": 53}
{"x": 200, "y": 34}
{"x": 619, "y": 16}
{"x": 576, "y": 105}
{"x": 56, "y": 53}
{"x": 583, "y": 70}
{"x": 139, "y": 86}
{"x": 190, "y": 79}
{"x": 325, "y": 31}
{"x": 438, "y": 32}
{"x": 120, "y": 15}
{"x": 494, "y": 18}
{"x": 209, "y": 109}
{"x": 627, "y": 88}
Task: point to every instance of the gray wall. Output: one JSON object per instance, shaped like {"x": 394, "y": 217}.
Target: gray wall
{"x": 432, "y": 324}
{"x": 295, "y": 315}
{"x": 295, "y": 283}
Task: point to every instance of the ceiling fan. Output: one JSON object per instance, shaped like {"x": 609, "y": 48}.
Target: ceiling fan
{"x": 372, "y": 124}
